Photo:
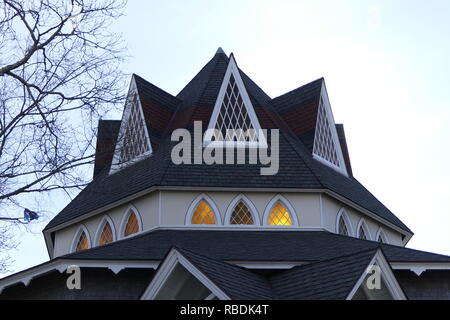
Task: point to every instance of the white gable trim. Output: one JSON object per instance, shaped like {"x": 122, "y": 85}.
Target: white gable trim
{"x": 251, "y": 207}
{"x": 75, "y": 239}
{"x": 262, "y": 142}
{"x": 325, "y": 103}
{"x": 388, "y": 276}
{"x": 131, "y": 208}
{"x": 212, "y": 205}
{"x": 106, "y": 219}
{"x": 287, "y": 204}
{"x": 343, "y": 213}
{"x": 132, "y": 92}
{"x": 420, "y": 267}
{"x": 165, "y": 269}
{"x": 362, "y": 224}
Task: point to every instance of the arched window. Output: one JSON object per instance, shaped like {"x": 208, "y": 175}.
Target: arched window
{"x": 279, "y": 212}
{"x": 203, "y": 214}
{"x": 81, "y": 240}
{"x": 343, "y": 224}
{"x": 279, "y": 216}
{"x": 363, "y": 231}
{"x": 131, "y": 224}
{"x": 106, "y": 233}
{"x": 203, "y": 211}
{"x": 242, "y": 211}
{"x": 106, "y": 236}
{"x": 381, "y": 236}
{"x": 241, "y": 215}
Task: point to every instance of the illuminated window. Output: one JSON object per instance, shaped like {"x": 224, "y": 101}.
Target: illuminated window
{"x": 203, "y": 214}
{"x": 279, "y": 216}
{"x": 132, "y": 225}
{"x": 241, "y": 215}
{"x": 106, "y": 235}
{"x": 343, "y": 229}
{"x": 83, "y": 242}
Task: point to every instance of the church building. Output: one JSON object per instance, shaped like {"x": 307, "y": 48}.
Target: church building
{"x": 224, "y": 193}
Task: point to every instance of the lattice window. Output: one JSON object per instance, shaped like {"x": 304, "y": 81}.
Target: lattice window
{"x": 241, "y": 215}
{"x": 343, "y": 229}
{"x": 132, "y": 225}
{"x": 362, "y": 233}
{"x": 279, "y": 216}
{"x": 134, "y": 139}
{"x": 380, "y": 239}
{"x": 233, "y": 116}
{"x": 107, "y": 235}
{"x": 83, "y": 242}
{"x": 203, "y": 214}
{"x": 324, "y": 145}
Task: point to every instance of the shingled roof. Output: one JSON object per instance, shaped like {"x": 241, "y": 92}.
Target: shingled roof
{"x": 164, "y": 113}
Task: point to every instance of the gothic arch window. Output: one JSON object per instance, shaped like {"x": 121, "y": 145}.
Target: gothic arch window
{"x": 82, "y": 240}
{"x": 106, "y": 232}
{"x": 131, "y": 223}
{"x": 381, "y": 236}
{"x": 279, "y": 212}
{"x": 242, "y": 212}
{"x": 203, "y": 211}
{"x": 343, "y": 224}
{"x": 362, "y": 231}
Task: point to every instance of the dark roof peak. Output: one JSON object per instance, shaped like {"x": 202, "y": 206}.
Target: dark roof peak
{"x": 220, "y": 51}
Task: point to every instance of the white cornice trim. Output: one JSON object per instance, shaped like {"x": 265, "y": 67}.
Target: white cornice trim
{"x": 420, "y": 267}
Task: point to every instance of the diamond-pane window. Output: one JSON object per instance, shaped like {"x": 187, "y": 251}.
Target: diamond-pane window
{"x": 279, "y": 216}
{"x": 343, "y": 229}
{"x": 233, "y": 121}
{"x": 132, "y": 225}
{"x": 241, "y": 215}
{"x": 380, "y": 239}
{"x": 106, "y": 235}
{"x": 362, "y": 233}
{"x": 324, "y": 145}
{"x": 134, "y": 138}
{"x": 83, "y": 242}
{"x": 203, "y": 214}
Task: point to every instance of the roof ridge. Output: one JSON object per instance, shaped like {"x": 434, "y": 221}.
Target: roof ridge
{"x": 298, "y": 88}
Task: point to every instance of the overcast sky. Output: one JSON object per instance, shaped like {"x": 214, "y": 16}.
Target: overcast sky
{"x": 386, "y": 66}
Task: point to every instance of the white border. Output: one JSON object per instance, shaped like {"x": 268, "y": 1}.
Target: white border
{"x": 115, "y": 165}
{"x": 106, "y": 219}
{"x": 362, "y": 224}
{"x": 212, "y": 205}
{"x": 81, "y": 228}
{"x": 251, "y": 207}
{"x": 131, "y": 208}
{"x": 383, "y": 235}
{"x": 329, "y": 113}
{"x": 292, "y": 212}
{"x": 165, "y": 269}
{"x": 262, "y": 142}
{"x": 343, "y": 213}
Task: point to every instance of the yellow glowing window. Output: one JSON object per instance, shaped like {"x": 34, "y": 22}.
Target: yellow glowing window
{"x": 106, "y": 236}
{"x": 203, "y": 214}
{"x": 132, "y": 225}
{"x": 279, "y": 216}
{"x": 82, "y": 243}
{"x": 241, "y": 215}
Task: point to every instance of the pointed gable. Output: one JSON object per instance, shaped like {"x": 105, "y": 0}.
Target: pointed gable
{"x": 233, "y": 114}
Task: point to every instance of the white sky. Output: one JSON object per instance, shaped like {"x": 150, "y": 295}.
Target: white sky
{"x": 386, "y": 65}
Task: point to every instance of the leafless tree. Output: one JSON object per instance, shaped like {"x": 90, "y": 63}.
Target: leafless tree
{"x": 59, "y": 72}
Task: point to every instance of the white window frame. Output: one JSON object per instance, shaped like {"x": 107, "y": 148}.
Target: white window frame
{"x": 383, "y": 235}
{"x": 343, "y": 213}
{"x": 285, "y": 202}
{"x": 81, "y": 228}
{"x": 193, "y": 207}
{"x": 251, "y": 207}
{"x": 362, "y": 224}
{"x": 207, "y": 139}
{"x": 342, "y": 168}
{"x": 98, "y": 233}
{"x": 123, "y": 224}
{"x": 116, "y": 164}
